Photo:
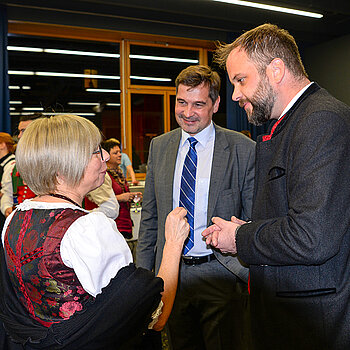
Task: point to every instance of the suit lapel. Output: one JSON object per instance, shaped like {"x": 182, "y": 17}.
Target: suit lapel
{"x": 170, "y": 154}
{"x": 220, "y": 159}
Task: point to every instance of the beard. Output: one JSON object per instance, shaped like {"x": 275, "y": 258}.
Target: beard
{"x": 262, "y": 101}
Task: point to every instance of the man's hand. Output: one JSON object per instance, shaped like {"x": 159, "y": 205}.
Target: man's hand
{"x": 237, "y": 221}
{"x": 222, "y": 235}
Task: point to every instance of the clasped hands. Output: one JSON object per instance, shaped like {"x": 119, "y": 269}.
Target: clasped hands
{"x": 222, "y": 234}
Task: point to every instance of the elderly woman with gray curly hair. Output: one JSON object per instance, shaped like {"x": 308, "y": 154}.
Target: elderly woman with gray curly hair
{"x": 66, "y": 274}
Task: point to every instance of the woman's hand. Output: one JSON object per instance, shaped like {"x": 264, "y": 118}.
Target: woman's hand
{"x": 125, "y": 197}
{"x": 176, "y": 226}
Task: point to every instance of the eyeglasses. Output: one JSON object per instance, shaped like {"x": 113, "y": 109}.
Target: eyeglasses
{"x": 99, "y": 151}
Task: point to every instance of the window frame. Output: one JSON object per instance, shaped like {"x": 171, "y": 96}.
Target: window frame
{"x": 124, "y": 39}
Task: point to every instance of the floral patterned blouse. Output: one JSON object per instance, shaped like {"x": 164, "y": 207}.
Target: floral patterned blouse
{"x": 92, "y": 246}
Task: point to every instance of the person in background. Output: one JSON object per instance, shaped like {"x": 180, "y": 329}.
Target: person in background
{"x": 7, "y": 162}
{"x": 126, "y": 166}
{"x": 103, "y": 199}
{"x": 66, "y": 275}
{"x": 210, "y": 306}
{"x": 15, "y": 191}
{"x": 297, "y": 243}
{"x": 120, "y": 187}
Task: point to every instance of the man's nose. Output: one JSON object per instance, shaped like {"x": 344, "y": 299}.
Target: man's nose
{"x": 187, "y": 111}
{"x": 236, "y": 95}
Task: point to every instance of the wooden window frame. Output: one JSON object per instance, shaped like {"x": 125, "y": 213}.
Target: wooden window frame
{"x": 125, "y": 39}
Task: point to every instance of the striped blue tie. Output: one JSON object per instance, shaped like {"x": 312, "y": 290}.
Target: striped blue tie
{"x": 187, "y": 190}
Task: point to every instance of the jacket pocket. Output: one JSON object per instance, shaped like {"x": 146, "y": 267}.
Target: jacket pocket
{"x": 306, "y": 293}
{"x": 275, "y": 173}
{"x": 302, "y": 281}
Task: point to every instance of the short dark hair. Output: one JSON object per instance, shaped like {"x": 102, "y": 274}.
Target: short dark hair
{"x": 109, "y": 144}
{"x": 196, "y": 75}
{"x": 25, "y": 118}
{"x": 262, "y": 44}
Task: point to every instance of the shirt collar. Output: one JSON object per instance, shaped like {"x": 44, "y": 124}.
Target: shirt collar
{"x": 294, "y": 99}
{"x": 5, "y": 157}
{"x": 202, "y": 137}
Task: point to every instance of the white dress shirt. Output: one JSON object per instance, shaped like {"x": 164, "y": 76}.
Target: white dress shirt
{"x": 293, "y": 100}
{"x": 205, "y": 150}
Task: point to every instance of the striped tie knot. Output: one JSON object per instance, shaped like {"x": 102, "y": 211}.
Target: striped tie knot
{"x": 192, "y": 142}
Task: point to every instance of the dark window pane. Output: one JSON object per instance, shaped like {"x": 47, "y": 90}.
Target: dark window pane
{"x": 159, "y": 66}
{"x": 173, "y": 122}
{"x": 54, "y": 76}
{"x": 220, "y": 116}
{"x": 147, "y": 119}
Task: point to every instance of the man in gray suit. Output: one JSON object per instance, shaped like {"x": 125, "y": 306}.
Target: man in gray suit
{"x": 210, "y": 304}
{"x": 297, "y": 243}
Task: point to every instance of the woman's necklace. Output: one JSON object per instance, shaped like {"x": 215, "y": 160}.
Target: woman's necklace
{"x": 65, "y": 198}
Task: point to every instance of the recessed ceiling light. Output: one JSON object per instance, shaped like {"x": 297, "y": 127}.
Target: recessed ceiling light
{"x": 272, "y": 8}
{"x": 20, "y": 72}
{"x": 16, "y": 87}
{"x": 24, "y": 48}
{"x": 62, "y": 52}
{"x": 166, "y": 59}
{"x": 32, "y": 109}
{"x": 77, "y": 75}
{"x": 83, "y": 103}
{"x": 149, "y": 78}
{"x": 64, "y": 113}
{"x": 64, "y": 75}
{"x": 82, "y": 53}
{"x": 103, "y": 90}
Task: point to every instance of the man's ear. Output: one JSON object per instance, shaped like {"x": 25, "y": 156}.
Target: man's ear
{"x": 216, "y": 104}
{"x": 276, "y": 70}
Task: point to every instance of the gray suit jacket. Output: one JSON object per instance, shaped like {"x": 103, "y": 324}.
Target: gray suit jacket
{"x": 230, "y": 191}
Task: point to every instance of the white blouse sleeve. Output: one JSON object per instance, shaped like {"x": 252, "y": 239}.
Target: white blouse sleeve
{"x": 95, "y": 249}
{"x": 105, "y": 198}
{"x": 7, "y": 190}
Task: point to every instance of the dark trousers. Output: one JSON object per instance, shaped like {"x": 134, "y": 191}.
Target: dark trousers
{"x": 210, "y": 310}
